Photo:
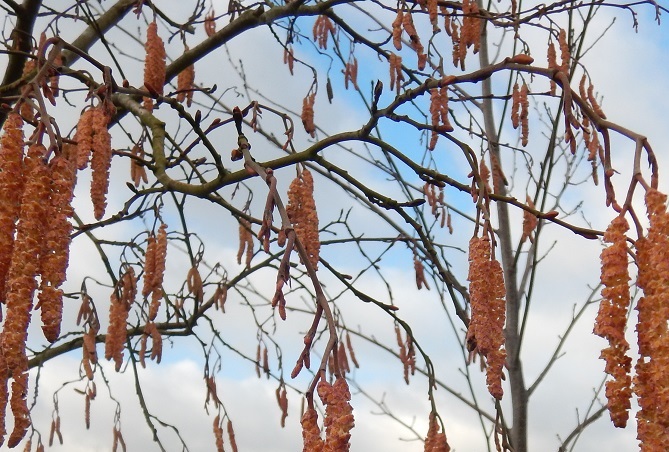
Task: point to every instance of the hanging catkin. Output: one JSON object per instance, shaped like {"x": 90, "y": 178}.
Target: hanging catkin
{"x": 302, "y": 213}
{"x": 487, "y": 292}
{"x": 154, "y": 64}
{"x": 612, "y": 319}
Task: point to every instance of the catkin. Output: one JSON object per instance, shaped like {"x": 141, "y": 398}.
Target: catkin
{"x": 439, "y": 114}
{"x": 158, "y": 271}
{"x": 524, "y": 115}
{"x": 530, "y": 222}
{"x": 154, "y": 64}
{"x": 338, "y": 415}
{"x": 55, "y": 251}
{"x": 311, "y": 432}
{"x": 84, "y": 137}
{"x": 652, "y": 334}
{"x": 308, "y": 114}
{"x": 396, "y": 74}
{"x": 121, "y": 300}
{"x": 301, "y": 210}
{"x": 435, "y": 440}
{"x": 100, "y": 161}
{"x": 565, "y": 54}
{"x": 488, "y": 307}
{"x": 323, "y": 27}
{"x": 612, "y": 319}
{"x": 185, "y": 83}
{"x": 245, "y": 242}
{"x": 20, "y": 408}
{"x": 21, "y": 281}
{"x": 11, "y": 187}
{"x": 552, "y": 64}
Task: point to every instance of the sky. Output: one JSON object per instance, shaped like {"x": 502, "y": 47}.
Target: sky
{"x": 628, "y": 69}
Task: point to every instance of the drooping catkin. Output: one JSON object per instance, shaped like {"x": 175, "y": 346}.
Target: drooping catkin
{"x": 311, "y": 432}
{"x": 323, "y": 27}
{"x": 210, "y": 23}
{"x": 100, "y": 161}
{"x": 25, "y": 259}
{"x": 308, "y": 114}
{"x": 530, "y": 222}
{"x": 121, "y": 300}
{"x": 552, "y": 64}
{"x": 488, "y": 310}
{"x": 524, "y": 115}
{"x": 245, "y": 242}
{"x": 301, "y": 210}
{"x": 435, "y": 440}
{"x": 470, "y": 32}
{"x": 652, "y": 333}
{"x": 11, "y": 187}
{"x": 56, "y": 247}
{"x": 20, "y": 410}
{"x": 397, "y": 28}
{"x": 338, "y": 414}
{"x": 158, "y": 271}
{"x": 218, "y": 433}
{"x": 84, "y": 137}
{"x": 612, "y": 319}
{"x": 565, "y": 54}
{"x": 231, "y": 436}
{"x": 154, "y": 64}
{"x": 4, "y": 396}
{"x": 439, "y": 114}
{"x": 515, "y": 106}
{"x": 185, "y": 83}
{"x": 396, "y": 74}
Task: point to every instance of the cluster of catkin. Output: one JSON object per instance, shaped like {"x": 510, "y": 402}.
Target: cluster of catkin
{"x": 396, "y": 74}
{"x": 439, "y": 113}
{"x": 154, "y": 64}
{"x": 488, "y": 311}
{"x": 612, "y": 318}
{"x": 652, "y": 367}
{"x": 323, "y": 27}
{"x": 469, "y": 33}
{"x": 301, "y": 210}
{"x": 565, "y": 56}
{"x": 338, "y": 419}
{"x": 94, "y": 145}
{"x": 35, "y": 205}
{"x": 404, "y": 21}
{"x": 218, "y": 434}
{"x": 437, "y": 205}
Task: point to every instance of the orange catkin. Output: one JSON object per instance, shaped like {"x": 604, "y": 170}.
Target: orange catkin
{"x": 652, "y": 333}
{"x": 11, "y": 187}
{"x": 100, "y": 161}
{"x": 302, "y": 213}
{"x": 55, "y": 251}
{"x": 487, "y": 292}
{"x": 612, "y": 319}
{"x": 311, "y": 432}
{"x": 435, "y": 441}
{"x": 84, "y": 137}
{"x": 25, "y": 260}
{"x": 338, "y": 414}
{"x": 185, "y": 83}
{"x": 308, "y": 114}
{"x": 154, "y": 64}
